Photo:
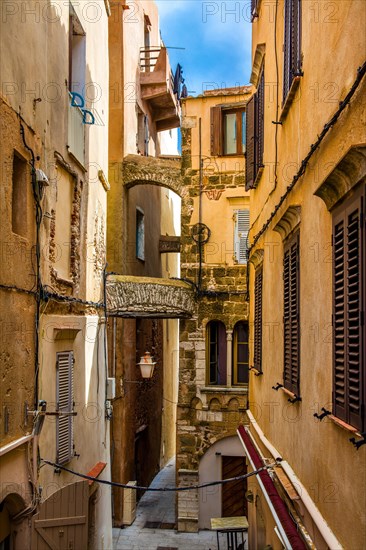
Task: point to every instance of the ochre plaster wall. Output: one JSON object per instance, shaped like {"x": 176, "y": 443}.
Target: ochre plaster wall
{"x": 320, "y": 453}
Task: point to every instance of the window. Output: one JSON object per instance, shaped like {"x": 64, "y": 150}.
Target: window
{"x": 63, "y": 233}
{"x": 292, "y": 48}
{"x": 216, "y": 353}
{"x": 241, "y": 228}
{"x": 227, "y": 130}
{"x": 291, "y": 316}
{"x": 258, "y": 298}
{"x": 140, "y": 234}
{"x": 254, "y": 136}
{"x": 241, "y": 354}
{"x": 65, "y": 403}
{"x": 19, "y": 196}
{"x": 349, "y": 377}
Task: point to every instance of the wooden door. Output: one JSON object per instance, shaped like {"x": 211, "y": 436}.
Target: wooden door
{"x": 233, "y": 493}
{"x": 62, "y": 521}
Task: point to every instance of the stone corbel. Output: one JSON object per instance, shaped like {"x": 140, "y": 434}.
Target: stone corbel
{"x": 289, "y": 221}
{"x": 350, "y": 170}
{"x": 256, "y": 259}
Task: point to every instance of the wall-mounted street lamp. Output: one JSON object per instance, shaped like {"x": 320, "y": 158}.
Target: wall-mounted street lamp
{"x": 146, "y": 365}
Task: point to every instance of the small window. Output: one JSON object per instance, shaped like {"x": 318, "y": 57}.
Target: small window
{"x": 240, "y": 354}
{"x": 65, "y": 403}
{"x": 227, "y": 131}
{"x": 291, "y": 315}
{"x": 258, "y": 302}
{"x": 19, "y": 196}
{"x": 216, "y": 353}
{"x": 140, "y": 234}
{"x": 241, "y": 229}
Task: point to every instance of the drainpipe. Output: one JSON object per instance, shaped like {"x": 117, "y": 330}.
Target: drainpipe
{"x": 314, "y": 512}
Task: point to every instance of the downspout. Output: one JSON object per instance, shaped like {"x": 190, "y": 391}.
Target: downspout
{"x": 314, "y": 512}
{"x": 200, "y": 244}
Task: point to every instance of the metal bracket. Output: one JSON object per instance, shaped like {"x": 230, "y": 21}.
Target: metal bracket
{"x": 294, "y": 399}
{"x": 358, "y": 443}
{"x": 277, "y": 387}
{"x": 323, "y": 414}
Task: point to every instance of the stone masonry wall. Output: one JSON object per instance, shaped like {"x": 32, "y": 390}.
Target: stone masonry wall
{"x": 205, "y": 413}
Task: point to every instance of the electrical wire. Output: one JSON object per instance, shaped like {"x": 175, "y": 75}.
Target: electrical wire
{"x": 343, "y": 104}
{"x": 159, "y": 489}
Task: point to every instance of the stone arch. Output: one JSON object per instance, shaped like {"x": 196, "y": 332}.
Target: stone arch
{"x": 196, "y": 403}
{"x": 233, "y": 404}
{"x": 13, "y": 502}
{"x": 138, "y": 170}
{"x": 215, "y": 404}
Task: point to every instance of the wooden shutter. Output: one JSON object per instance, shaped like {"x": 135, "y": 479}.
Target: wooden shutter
{"x": 291, "y": 316}
{"x": 292, "y": 44}
{"x": 348, "y": 313}
{"x": 253, "y": 10}
{"x": 258, "y": 297}
{"x": 64, "y": 400}
{"x": 216, "y": 131}
{"x": 259, "y": 124}
{"x": 249, "y": 144}
{"x": 241, "y": 229}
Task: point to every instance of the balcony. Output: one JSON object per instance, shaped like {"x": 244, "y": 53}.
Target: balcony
{"x": 157, "y": 87}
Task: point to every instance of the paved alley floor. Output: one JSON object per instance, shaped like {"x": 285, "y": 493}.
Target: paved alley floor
{"x": 159, "y": 510}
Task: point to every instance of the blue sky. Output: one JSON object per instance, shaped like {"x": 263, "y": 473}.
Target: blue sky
{"x": 216, "y": 36}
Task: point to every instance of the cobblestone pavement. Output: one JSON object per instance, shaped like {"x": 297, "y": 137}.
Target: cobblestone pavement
{"x": 159, "y": 508}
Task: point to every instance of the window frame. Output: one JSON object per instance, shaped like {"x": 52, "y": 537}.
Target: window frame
{"x": 221, "y": 352}
{"x": 65, "y": 424}
{"x": 236, "y": 344}
{"x": 291, "y": 321}
{"x": 344, "y": 318}
{"x": 140, "y": 234}
{"x": 217, "y": 116}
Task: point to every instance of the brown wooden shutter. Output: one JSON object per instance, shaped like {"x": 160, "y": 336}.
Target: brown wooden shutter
{"x": 291, "y": 316}
{"x": 64, "y": 400}
{"x": 292, "y": 44}
{"x": 216, "y": 131}
{"x": 259, "y": 124}
{"x": 348, "y": 313}
{"x": 250, "y": 145}
{"x": 258, "y": 298}
{"x": 253, "y": 10}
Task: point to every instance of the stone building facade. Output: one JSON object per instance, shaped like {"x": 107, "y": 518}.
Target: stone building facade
{"x": 54, "y": 166}
{"x": 213, "y": 379}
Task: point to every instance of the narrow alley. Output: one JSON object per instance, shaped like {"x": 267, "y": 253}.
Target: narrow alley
{"x": 153, "y": 528}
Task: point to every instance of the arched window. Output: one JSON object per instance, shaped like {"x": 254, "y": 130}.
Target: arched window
{"x": 241, "y": 353}
{"x": 216, "y": 353}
